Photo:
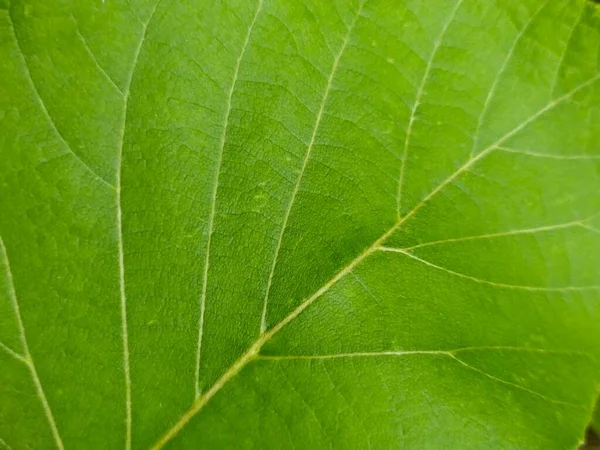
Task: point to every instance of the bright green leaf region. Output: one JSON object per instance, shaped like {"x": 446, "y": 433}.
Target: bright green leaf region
{"x": 299, "y": 224}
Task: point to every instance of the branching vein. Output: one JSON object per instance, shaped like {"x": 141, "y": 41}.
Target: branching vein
{"x": 28, "y": 359}
{"x": 89, "y": 51}
{"x": 12, "y": 353}
{"x": 334, "y": 67}
{"x": 424, "y": 352}
{"x": 44, "y": 109}
{"x": 211, "y": 219}
{"x": 449, "y": 353}
{"x": 542, "y": 229}
{"x": 123, "y": 296}
{"x": 354, "y": 355}
{"x": 515, "y": 385}
{"x": 419, "y": 95}
{"x": 495, "y": 83}
{"x": 253, "y": 351}
{"x": 550, "y": 156}
{"x": 591, "y": 228}
{"x": 491, "y": 283}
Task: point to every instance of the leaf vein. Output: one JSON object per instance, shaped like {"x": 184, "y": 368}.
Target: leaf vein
{"x": 263, "y": 321}
{"x": 121, "y": 252}
{"x": 483, "y": 281}
{"x": 549, "y": 156}
{"x": 13, "y": 353}
{"x": 494, "y": 86}
{"x": 28, "y": 359}
{"x": 254, "y": 349}
{"x": 448, "y": 353}
{"x": 564, "y": 53}
{"x": 211, "y": 219}
{"x": 88, "y": 50}
{"x": 352, "y": 355}
{"x": 419, "y": 94}
{"x": 515, "y": 385}
{"x": 44, "y": 109}
{"x": 541, "y": 229}
{"x": 591, "y": 228}
{"x": 423, "y": 352}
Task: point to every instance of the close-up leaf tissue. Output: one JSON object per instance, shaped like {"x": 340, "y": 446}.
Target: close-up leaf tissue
{"x": 299, "y": 224}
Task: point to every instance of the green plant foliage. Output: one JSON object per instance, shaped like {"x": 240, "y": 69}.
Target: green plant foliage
{"x": 595, "y": 425}
{"x": 299, "y": 224}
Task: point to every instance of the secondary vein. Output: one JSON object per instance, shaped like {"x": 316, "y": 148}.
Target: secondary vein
{"x": 45, "y": 111}
{"x": 418, "y": 96}
{"x": 119, "y": 214}
{"x": 28, "y": 359}
{"x": 286, "y": 217}
{"x": 211, "y": 219}
{"x": 540, "y": 229}
{"x": 12, "y": 353}
{"x": 483, "y": 281}
{"x": 492, "y": 92}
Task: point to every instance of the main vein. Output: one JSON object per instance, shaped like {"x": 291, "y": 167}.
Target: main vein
{"x": 253, "y": 351}
{"x": 123, "y": 296}
{"x": 28, "y": 359}
{"x": 334, "y": 67}
{"x": 211, "y": 219}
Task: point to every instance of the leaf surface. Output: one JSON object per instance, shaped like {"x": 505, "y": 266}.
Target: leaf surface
{"x": 299, "y": 224}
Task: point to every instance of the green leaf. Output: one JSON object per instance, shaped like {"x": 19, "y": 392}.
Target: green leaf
{"x": 595, "y": 425}
{"x": 299, "y": 224}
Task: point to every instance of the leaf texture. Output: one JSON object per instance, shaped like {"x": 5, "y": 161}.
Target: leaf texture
{"x": 299, "y": 224}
